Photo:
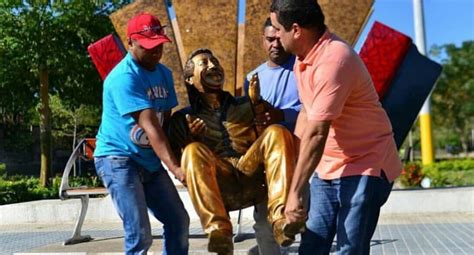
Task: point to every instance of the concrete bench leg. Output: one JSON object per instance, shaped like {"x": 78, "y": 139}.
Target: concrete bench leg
{"x": 76, "y": 236}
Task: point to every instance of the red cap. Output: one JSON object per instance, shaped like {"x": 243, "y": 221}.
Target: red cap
{"x": 147, "y": 30}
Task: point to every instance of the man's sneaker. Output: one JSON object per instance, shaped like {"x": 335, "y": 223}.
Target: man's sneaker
{"x": 285, "y": 232}
{"x": 220, "y": 241}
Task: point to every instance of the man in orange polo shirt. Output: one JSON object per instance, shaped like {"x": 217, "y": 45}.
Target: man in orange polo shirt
{"x": 345, "y": 135}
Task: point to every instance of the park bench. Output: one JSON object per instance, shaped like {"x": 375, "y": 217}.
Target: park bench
{"x": 83, "y": 150}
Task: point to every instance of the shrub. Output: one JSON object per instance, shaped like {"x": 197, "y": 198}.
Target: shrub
{"x": 3, "y": 170}
{"x": 18, "y": 189}
{"x": 18, "y": 140}
{"x": 15, "y": 191}
{"x": 450, "y": 173}
{"x": 411, "y": 175}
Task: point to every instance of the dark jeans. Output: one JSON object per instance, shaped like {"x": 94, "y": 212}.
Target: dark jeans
{"x": 133, "y": 191}
{"x": 348, "y": 207}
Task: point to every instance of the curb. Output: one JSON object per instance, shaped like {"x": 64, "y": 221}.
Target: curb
{"x": 443, "y": 200}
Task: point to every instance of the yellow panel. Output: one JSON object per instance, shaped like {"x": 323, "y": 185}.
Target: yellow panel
{"x": 213, "y": 25}
{"x": 346, "y": 18}
{"x": 170, "y": 56}
{"x": 256, "y": 13}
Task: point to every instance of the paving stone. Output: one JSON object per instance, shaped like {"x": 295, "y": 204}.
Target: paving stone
{"x": 396, "y": 234}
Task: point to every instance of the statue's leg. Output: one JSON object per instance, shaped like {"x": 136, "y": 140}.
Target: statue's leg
{"x": 275, "y": 148}
{"x": 202, "y": 167}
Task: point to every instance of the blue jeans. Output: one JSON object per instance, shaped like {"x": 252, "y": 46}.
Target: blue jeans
{"x": 133, "y": 191}
{"x": 348, "y": 207}
{"x": 264, "y": 232}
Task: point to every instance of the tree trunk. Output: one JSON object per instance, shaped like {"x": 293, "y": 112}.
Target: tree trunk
{"x": 464, "y": 144}
{"x": 45, "y": 128}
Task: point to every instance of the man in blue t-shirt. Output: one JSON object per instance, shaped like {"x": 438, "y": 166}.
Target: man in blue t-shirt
{"x": 137, "y": 101}
{"x": 277, "y": 81}
{"x": 278, "y": 88}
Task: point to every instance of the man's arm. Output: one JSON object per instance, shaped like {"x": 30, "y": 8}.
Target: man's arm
{"x": 313, "y": 139}
{"x": 148, "y": 121}
{"x": 301, "y": 122}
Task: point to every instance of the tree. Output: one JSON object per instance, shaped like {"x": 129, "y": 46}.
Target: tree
{"x": 453, "y": 97}
{"x": 43, "y": 51}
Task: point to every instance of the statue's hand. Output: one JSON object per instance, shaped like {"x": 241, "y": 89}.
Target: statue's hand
{"x": 254, "y": 89}
{"x": 196, "y": 126}
{"x": 266, "y": 114}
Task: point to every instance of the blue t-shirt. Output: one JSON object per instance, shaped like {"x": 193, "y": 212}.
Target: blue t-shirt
{"x": 278, "y": 87}
{"x": 127, "y": 89}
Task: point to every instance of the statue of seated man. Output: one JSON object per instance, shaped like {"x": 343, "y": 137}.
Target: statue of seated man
{"x": 228, "y": 166}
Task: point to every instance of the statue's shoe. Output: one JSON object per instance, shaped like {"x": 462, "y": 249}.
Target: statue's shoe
{"x": 220, "y": 241}
{"x": 285, "y": 232}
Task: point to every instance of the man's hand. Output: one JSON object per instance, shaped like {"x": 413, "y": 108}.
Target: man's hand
{"x": 266, "y": 114}
{"x": 179, "y": 175}
{"x": 294, "y": 210}
{"x": 196, "y": 125}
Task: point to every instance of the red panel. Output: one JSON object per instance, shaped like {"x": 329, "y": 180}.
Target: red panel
{"x": 382, "y": 52}
{"x": 106, "y": 53}
{"x": 89, "y": 147}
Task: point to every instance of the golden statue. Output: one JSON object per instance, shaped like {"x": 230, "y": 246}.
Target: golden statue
{"x": 229, "y": 164}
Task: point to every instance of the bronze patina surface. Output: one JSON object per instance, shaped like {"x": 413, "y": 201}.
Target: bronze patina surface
{"x": 255, "y": 14}
{"x": 346, "y": 18}
{"x": 210, "y": 24}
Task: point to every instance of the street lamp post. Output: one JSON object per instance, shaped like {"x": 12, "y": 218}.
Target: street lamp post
{"x": 427, "y": 153}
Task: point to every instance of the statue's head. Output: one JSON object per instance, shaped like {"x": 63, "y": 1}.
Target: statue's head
{"x": 204, "y": 72}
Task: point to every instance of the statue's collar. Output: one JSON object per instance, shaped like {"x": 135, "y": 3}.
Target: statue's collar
{"x": 198, "y": 102}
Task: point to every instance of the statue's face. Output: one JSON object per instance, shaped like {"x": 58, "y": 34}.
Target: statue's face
{"x": 208, "y": 73}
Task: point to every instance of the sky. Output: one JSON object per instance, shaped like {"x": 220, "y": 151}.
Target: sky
{"x": 446, "y": 21}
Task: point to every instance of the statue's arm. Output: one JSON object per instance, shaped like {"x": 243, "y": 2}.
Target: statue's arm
{"x": 178, "y": 133}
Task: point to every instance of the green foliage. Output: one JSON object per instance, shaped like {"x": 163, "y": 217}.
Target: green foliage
{"x": 17, "y": 189}
{"x": 72, "y": 123}
{"x": 453, "y": 97}
{"x": 89, "y": 181}
{"x": 65, "y": 119}
{"x": 51, "y": 36}
{"x": 453, "y": 165}
{"x": 43, "y": 51}
{"x": 451, "y": 142}
{"x": 22, "y": 190}
{"x": 3, "y": 170}
{"x": 411, "y": 175}
{"x": 451, "y": 173}
{"x": 447, "y": 173}
{"x": 18, "y": 140}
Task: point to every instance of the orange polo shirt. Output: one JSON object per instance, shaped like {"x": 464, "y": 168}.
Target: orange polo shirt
{"x": 334, "y": 84}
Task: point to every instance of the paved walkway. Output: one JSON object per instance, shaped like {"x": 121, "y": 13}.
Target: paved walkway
{"x": 396, "y": 234}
